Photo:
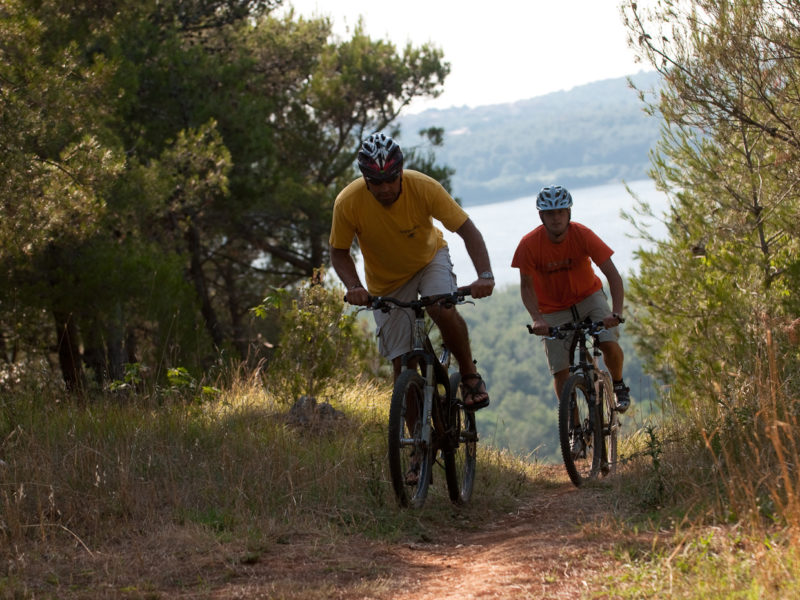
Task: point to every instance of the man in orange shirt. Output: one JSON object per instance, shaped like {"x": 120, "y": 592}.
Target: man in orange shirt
{"x": 391, "y": 210}
{"x": 558, "y": 285}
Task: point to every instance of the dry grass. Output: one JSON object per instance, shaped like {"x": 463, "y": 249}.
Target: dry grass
{"x": 171, "y": 495}
{"x": 722, "y": 485}
{"x": 134, "y": 495}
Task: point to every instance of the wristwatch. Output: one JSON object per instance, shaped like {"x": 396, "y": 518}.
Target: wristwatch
{"x": 486, "y": 275}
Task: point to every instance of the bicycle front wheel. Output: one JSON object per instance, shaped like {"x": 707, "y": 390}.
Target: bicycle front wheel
{"x": 610, "y": 418}
{"x": 579, "y": 430}
{"x": 410, "y": 456}
{"x": 462, "y": 446}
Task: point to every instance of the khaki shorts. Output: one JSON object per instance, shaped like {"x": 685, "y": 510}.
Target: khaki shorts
{"x": 394, "y": 328}
{"x": 596, "y": 308}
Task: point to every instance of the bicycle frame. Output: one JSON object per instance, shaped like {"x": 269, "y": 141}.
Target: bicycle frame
{"x": 587, "y": 360}
{"x": 422, "y": 351}
{"x": 425, "y": 413}
{"x": 587, "y": 421}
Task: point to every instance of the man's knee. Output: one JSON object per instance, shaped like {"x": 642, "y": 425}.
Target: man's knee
{"x": 444, "y": 315}
{"x": 610, "y": 346}
{"x": 437, "y": 311}
{"x": 559, "y": 379}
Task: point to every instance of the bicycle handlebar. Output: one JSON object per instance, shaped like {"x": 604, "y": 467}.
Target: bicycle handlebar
{"x": 449, "y": 299}
{"x": 561, "y": 331}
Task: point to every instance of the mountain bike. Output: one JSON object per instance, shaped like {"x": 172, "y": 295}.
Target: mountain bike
{"x": 588, "y": 423}
{"x": 427, "y": 416}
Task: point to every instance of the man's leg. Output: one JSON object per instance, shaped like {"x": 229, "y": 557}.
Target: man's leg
{"x": 614, "y": 358}
{"x": 456, "y": 337}
{"x": 559, "y": 379}
{"x": 596, "y": 307}
{"x": 397, "y": 365}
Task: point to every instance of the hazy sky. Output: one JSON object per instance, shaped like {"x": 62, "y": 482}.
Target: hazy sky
{"x": 499, "y": 50}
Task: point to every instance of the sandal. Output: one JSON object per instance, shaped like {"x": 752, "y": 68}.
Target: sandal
{"x": 412, "y": 475}
{"x": 469, "y": 392}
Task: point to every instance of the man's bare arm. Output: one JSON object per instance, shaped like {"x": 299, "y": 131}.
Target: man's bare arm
{"x": 345, "y": 268}
{"x": 476, "y": 248}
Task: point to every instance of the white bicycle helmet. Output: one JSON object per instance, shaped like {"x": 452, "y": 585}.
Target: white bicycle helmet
{"x": 553, "y": 197}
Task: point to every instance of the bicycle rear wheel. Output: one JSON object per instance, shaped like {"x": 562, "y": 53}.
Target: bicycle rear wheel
{"x": 610, "y": 419}
{"x": 462, "y": 446}
{"x": 579, "y": 430}
{"x": 410, "y": 456}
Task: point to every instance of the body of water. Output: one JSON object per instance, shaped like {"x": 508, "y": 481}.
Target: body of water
{"x": 504, "y": 223}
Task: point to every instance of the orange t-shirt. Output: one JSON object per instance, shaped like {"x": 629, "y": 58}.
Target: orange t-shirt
{"x": 562, "y": 273}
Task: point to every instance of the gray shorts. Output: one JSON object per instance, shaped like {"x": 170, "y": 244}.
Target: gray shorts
{"x": 394, "y": 328}
{"x": 596, "y": 308}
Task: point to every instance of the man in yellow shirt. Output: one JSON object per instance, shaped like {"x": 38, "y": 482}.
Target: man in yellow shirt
{"x": 391, "y": 210}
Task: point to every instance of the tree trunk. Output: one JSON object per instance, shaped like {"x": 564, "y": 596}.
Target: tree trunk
{"x": 94, "y": 351}
{"x": 198, "y": 279}
{"x": 115, "y": 346}
{"x": 69, "y": 354}
{"x": 240, "y": 334}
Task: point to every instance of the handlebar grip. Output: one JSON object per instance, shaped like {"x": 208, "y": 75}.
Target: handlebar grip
{"x": 370, "y": 299}
{"x": 553, "y": 332}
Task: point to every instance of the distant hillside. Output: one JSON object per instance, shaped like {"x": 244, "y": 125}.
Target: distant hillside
{"x": 590, "y": 135}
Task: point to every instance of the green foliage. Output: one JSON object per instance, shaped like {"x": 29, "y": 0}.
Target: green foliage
{"x": 717, "y": 298}
{"x": 321, "y": 347}
{"x": 732, "y": 238}
{"x": 422, "y": 158}
{"x": 182, "y": 384}
{"x": 57, "y": 157}
{"x": 144, "y": 142}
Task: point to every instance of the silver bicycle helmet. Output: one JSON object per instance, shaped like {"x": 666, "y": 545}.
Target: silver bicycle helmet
{"x": 553, "y": 197}
{"x": 380, "y": 158}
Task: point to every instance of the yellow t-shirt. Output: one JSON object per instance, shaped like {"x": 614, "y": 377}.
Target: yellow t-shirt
{"x": 399, "y": 240}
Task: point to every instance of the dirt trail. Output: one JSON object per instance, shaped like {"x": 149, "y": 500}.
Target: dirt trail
{"x": 541, "y": 551}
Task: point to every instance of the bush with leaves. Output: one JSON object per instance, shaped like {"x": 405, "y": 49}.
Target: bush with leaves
{"x": 322, "y": 348}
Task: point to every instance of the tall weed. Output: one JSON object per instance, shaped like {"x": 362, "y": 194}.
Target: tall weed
{"x": 322, "y": 347}
{"x": 235, "y": 465}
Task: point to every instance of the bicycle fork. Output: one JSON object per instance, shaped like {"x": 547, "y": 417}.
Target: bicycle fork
{"x": 587, "y": 427}
{"x": 427, "y": 404}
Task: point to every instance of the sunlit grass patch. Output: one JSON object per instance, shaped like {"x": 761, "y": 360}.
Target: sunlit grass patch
{"x": 717, "y": 562}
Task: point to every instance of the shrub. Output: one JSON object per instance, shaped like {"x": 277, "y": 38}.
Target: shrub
{"x": 321, "y": 347}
